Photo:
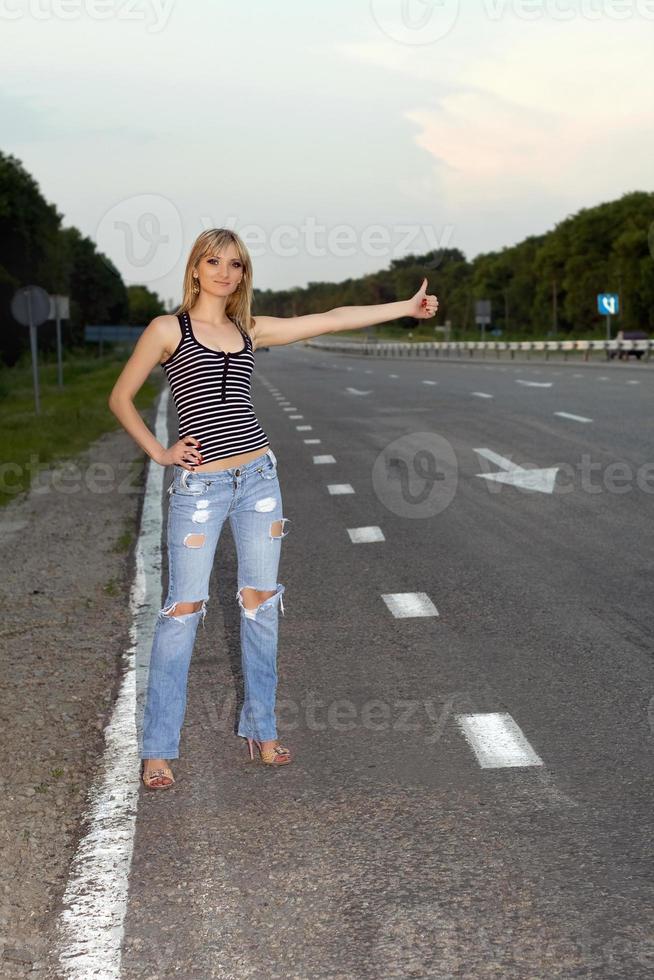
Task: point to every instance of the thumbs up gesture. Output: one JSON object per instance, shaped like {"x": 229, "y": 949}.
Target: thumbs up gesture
{"x": 422, "y": 306}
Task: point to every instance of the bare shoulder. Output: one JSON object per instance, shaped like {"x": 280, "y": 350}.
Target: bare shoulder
{"x": 166, "y": 329}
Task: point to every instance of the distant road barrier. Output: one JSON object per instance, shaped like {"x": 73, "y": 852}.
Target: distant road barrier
{"x": 112, "y": 331}
{"x": 436, "y": 348}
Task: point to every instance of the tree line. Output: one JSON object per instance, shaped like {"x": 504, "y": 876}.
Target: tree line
{"x": 546, "y": 285}
{"x": 543, "y": 286}
{"x": 35, "y": 249}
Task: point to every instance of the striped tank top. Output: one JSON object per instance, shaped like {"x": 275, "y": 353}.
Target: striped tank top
{"x": 211, "y": 391}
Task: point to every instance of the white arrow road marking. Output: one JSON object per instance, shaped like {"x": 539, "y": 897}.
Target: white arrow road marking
{"x": 541, "y": 480}
{"x": 497, "y": 741}
{"x": 535, "y": 384}
{"x": 355, "y": 391}
{"x": 576, "y": 418}
{"x": 481, "y": 394}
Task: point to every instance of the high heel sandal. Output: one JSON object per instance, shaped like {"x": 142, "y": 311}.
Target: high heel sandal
{"x": 151, "y": 774}
{"x": 275, "y": 756}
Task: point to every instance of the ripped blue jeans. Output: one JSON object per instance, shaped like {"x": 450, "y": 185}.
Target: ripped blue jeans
{"x": 249, "y": 495}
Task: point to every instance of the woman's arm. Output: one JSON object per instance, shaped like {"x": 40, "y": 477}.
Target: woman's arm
{"x": 148, "y": 352}
{"x": 274, "y": 331}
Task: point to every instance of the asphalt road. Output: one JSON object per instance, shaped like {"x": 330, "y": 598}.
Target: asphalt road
{"x": 471, "y": 794}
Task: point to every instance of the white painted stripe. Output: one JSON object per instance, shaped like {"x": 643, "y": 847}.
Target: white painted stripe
{"x": 296, "y": 416}
{"x": 633, "y": 382}
{"x": 405, "y": 604}
{"x": 303, "y": 428}
{"x": 290, "y": 409}
{"x": 534, "y": 384}
{"x": 335, "y": 488}
{"x": 393, "y": 375}
{"x": 603, "y": 378}
{"x": 497, "y": 741}
{"x": 430, "y": 382}
{"x": 311, "y": 441}
{"x": 363, "y": 535}
{"x": 576, "y": 418}
{"x": 482, "y": 394}
{"x": 324, "y": 459}
{"x": 91, "y": 925}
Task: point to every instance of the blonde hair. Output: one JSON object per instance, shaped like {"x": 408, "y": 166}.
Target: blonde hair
{"x": 239, "y": 303}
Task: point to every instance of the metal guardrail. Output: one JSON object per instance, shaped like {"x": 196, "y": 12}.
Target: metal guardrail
{"x": 112, "y": 331}
{"x": 437, "y": 348}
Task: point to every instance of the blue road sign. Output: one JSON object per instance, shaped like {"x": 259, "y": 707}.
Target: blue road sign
{"x": 608, "y": 304}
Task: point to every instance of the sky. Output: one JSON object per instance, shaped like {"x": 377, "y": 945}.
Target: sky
{"x": 333, "y": 136}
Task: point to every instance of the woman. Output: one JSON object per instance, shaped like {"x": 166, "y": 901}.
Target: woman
{"x": 222, "y": 467}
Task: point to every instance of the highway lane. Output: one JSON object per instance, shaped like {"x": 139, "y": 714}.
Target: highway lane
{"x": 387, "y": 848}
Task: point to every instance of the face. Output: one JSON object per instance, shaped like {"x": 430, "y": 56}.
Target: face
{"x": 220, "y": 273}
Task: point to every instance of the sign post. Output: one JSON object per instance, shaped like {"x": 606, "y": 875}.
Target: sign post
{"x": 608, "y": 304}
{"x": 30, "y": 305}
{"x": 482, "y": 314}
{"x": 59, "y": 310}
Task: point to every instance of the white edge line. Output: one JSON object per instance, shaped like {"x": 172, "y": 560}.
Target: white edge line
{"x": 90, "y": 929}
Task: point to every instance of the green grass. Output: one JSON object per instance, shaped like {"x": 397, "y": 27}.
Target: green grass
{"x": 71, "y": 417}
